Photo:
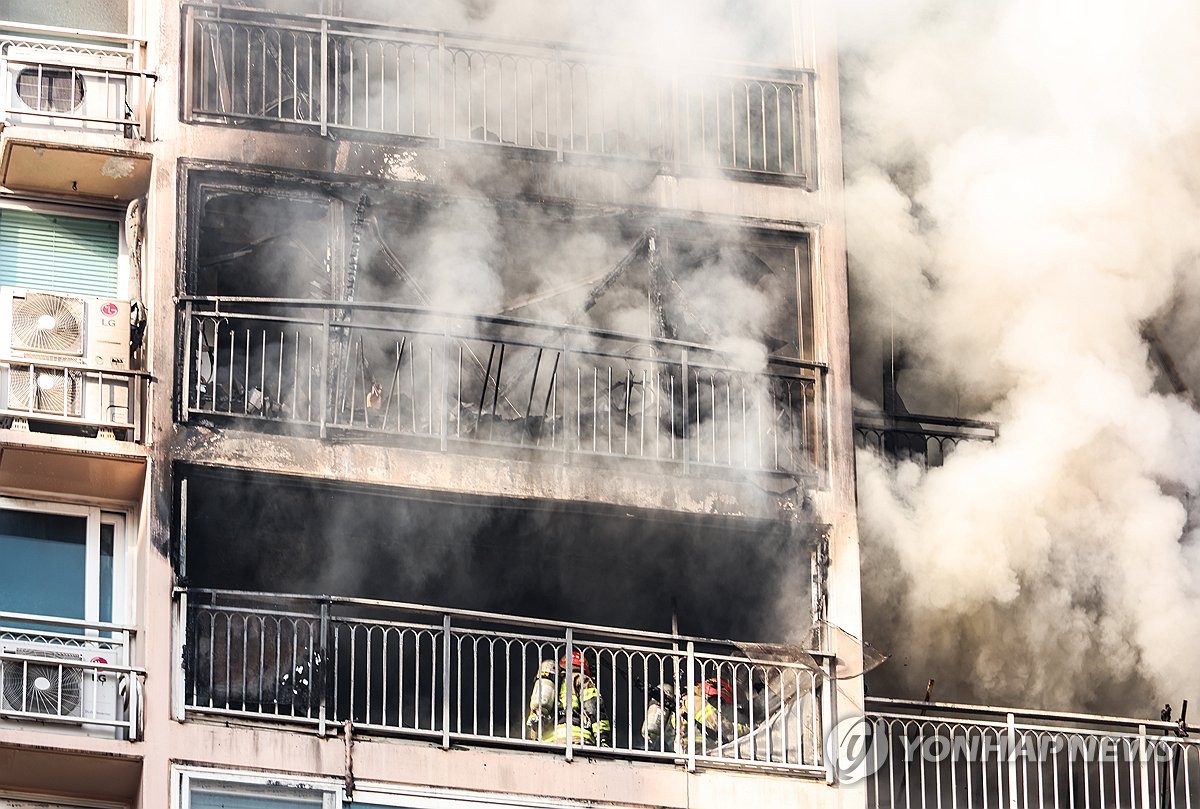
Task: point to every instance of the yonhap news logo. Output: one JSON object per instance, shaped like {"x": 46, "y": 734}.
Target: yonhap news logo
{"x": 857, "y": 747}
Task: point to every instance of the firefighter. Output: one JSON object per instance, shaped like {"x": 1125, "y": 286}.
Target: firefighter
{"x": 659, "y": 729}
{"x": 548, "y": 704}
{"x": 713, "y": 710}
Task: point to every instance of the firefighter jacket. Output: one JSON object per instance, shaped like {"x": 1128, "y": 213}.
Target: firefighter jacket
{"x": 716, "y": 722}
{"x": 547, "y": 720}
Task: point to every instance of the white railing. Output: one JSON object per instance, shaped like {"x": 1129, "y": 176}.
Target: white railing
{"x": 329, "y": 73}
{"x": 58, "y": 671}
{"x": 62, "y": 393}
{"x": 467, "y": 677}
{"x": 943, "y": 755}
{"x": 79, "y": 80}
{"x": 440, "y": 379}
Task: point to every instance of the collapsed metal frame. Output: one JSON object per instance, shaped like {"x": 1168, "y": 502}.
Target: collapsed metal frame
{"x": 442, "y": 380}
{"x": 943, "y": 755}
{"x": 453, "y": 676}
{"x": 328, "y": 74}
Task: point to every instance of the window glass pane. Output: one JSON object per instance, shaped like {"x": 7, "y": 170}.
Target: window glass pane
{"x": 43, "y": 563}
{"x": 90, "y": 15}
{"x": 208, "y": 798}
{"x": 58, "y": 253}
{"x": 107, "y": 545}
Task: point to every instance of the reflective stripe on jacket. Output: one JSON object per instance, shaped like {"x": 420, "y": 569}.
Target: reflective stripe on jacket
{"x": 547, "y": 720}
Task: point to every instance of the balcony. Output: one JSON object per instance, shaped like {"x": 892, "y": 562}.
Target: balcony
{"x": 926, "y": 440}
{"x": 57, "y": 672}
{"x": 67, "y": 398}
{"x": 79, "y": 80}
{"x": 943, "y": 755}
{"x": 460, "y": 677}
{"x": 457, "y": 383}
{"x": 74, "y": 102}
{"x": 335, "y": 76}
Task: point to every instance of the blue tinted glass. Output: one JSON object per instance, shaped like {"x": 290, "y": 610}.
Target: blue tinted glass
{"x": 43, "y": 563}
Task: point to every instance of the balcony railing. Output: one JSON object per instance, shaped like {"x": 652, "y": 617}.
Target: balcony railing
{"x": 79, "y": 80}
{"x": 108, "y": 401}
{"x": 448, "y": 381}
{"x": 928, "y": 440}
{"x": 58, "y": 671}
{"x": 939, "y": 755}
{"x": 333, "y": 74}
{"x": 467, "y": 677}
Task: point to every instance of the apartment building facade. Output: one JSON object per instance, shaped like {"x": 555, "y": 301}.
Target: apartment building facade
{"x": 357, "y": 365}
{"x": 357, "y": 369}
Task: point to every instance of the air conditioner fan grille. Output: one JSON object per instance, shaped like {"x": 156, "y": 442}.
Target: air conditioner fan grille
{"x": 43, "y": 688}
{"x": 48, "y": 323}
{"x": 45, "y": 390}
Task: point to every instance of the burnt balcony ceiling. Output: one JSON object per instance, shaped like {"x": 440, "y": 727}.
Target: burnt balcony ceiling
{"x": 603, "y": 566}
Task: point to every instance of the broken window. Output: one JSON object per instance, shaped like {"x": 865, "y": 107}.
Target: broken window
{"x": 249, "y": 243}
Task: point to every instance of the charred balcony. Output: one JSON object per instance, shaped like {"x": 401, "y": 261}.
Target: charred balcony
{"x": 409, "y": 670}
{"x": 445, "y": 382}
{"x": 433, "y": 635}
{"x": 924, "y": 439}
{"x": 353, "y": 79}
{"x": 449, "y": 324}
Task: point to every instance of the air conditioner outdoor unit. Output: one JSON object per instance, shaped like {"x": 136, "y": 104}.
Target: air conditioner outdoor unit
{"x": 65, "y": 688}
{"x": 77, "y": 86}
{"x": 49, "y": 327}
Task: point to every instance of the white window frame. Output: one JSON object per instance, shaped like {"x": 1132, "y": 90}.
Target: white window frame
{"x": 333, "y": 793}
{"x": 255, "y": 784}
{"x": 84, "y": 212}
{"x": 57, "y": 803}
{"x": 96, "y": 516}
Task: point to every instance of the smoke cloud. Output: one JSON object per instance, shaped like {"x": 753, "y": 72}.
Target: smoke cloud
{"x": 1022, "y": 205}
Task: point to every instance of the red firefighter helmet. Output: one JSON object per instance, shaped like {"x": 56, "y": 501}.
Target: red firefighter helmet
{"x": 716, "y": 687}
{"x": 577, "y": 662}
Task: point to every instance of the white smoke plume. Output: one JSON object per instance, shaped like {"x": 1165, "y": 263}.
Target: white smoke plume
{"x": 1022, "y": 204}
